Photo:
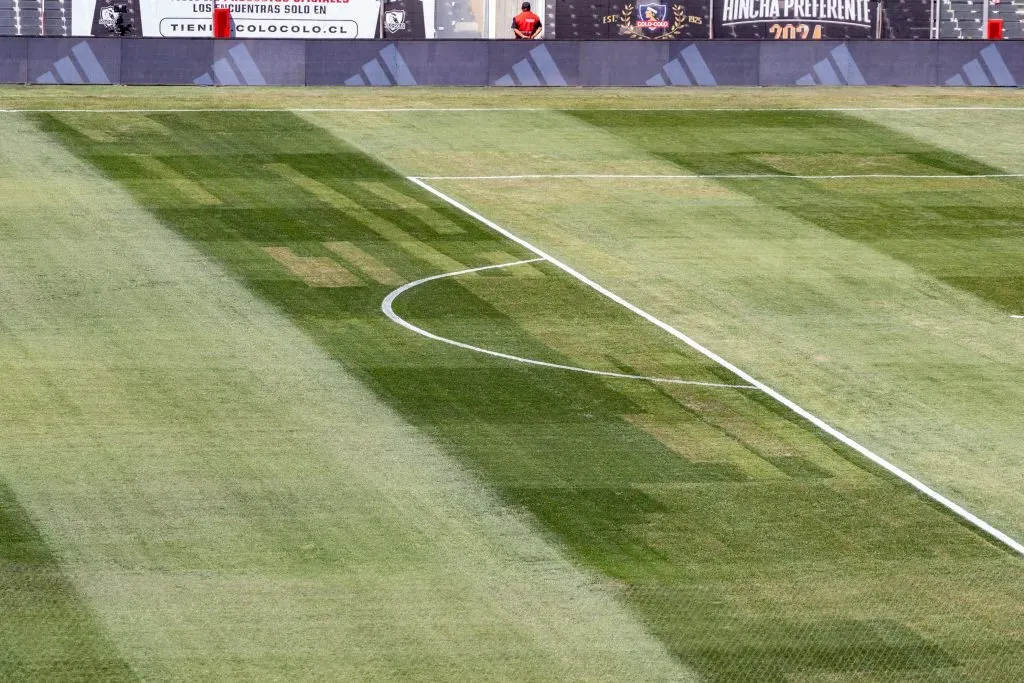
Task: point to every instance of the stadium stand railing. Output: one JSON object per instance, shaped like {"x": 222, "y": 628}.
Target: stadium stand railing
{"x": 10, "y": 17}
{"x": 26, "y": 17}
{"x": 58, "y": 17}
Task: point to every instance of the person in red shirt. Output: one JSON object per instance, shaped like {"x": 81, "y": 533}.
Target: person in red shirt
{"x": 526, "y": 25}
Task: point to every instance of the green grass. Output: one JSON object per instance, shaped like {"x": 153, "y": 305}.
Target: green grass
{"x": 953, "y": 231}
{"x": 48, "y": 631}
{"x": 99, "y": 97}
{"x": 749, "y": 544}
{"x": 872, "y": 333}
{"x": 199, "y": 492}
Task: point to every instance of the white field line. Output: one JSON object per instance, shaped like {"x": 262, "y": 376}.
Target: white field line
{"x": 387, "y": 306}
{"x": 923, "y": 488}
{"x": 384, "y": 110}
{"x": 712, "y": 176}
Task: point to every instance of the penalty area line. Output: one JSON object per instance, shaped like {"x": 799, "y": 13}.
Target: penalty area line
{"x": 716, "y": 176}
{"x": 920, "y": 486}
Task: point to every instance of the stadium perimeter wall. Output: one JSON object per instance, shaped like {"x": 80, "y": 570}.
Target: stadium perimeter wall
{"x": 508, "y": 63}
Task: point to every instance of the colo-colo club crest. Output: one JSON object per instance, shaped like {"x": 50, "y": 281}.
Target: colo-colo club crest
{"x": 394, "y": 20}
{"x": 651, "y": 16}
{"x": 650, "y": 20}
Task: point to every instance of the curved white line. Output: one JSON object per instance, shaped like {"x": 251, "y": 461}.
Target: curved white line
{"x": 387, "y": 306}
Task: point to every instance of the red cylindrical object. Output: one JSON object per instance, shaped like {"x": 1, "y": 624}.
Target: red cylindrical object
{"x": 221, "y": 22}
{"x": 994, "y": 30}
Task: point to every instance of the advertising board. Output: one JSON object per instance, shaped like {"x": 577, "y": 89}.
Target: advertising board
{"x": 795, "y": 19}
{"x": 294, "y": 19}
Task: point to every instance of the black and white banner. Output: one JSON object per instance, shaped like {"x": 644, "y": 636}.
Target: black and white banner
{"x": 795, "y": 19}
{"x": 629, "y": 20}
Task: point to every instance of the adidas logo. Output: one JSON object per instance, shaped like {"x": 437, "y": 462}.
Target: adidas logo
{"x": 696, "y": 70}
{"x": 238, "y": 68}
{"x": 524, "y": 73}
{"x": 838, "y": 69}
{"x": 972, "y": 72}
{"x": 388, "y": 68}
{"x": 81, "y": 66}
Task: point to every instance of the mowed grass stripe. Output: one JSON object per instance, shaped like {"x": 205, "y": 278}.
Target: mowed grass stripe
{"x": 716, "y": 556}
{"x": 946, "y": 355}
{"x": 970, "y": 134}
{"x": 48, "y": 630}
{"x": 909, "y": 365}
{"x": 177, "y": 98}
{"x": 877, "y": 213}
{"x": 921, "y": 487}
{"x": 230, "y": 503}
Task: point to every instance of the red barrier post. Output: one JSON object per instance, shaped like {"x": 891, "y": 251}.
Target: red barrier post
{"x": 994, "y": 30}
{"x": 221, "y": 22}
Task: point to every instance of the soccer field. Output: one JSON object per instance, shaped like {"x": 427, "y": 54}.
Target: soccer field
{"x": 464, "y": 384}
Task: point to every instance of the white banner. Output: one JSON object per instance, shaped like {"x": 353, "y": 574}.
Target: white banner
{"x": 250, "y": 18}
